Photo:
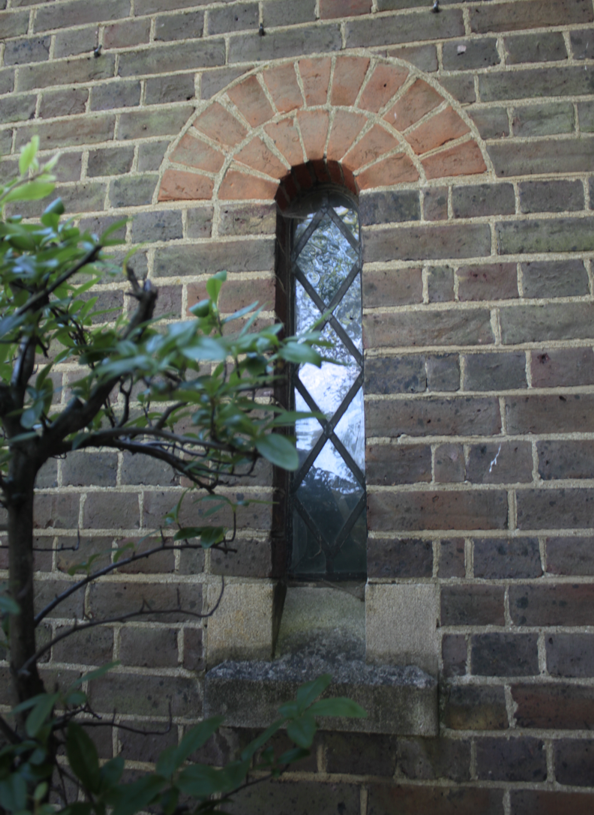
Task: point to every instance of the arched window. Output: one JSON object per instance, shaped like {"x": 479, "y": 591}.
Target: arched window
{"x": 327, "y": 502}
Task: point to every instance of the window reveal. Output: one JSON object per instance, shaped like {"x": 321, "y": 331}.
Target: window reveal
{"x": 328, "y": 503}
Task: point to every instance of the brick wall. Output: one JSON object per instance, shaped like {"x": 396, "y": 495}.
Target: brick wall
{"x": 477, "y": 205}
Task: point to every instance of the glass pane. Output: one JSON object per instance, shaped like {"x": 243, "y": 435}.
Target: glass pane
{"x": 306, "y": 311}
{"x": 349, "y": 217}
{"x": 328, "y": 384}
{"x": 351, "y": 558}
{"x": 308, "y": 431}
{"x": 327, "y": 259}
{"x": 351, "y": 431}
{"x": 308, "y": 557}
{"x": 348, "y": 312}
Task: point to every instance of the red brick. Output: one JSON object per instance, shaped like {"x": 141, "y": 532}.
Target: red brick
{"x": 560, "y": 367}
{"x": 549, "y": 802}
{"x": 194, "y": 152}
{"x": 555, "y": 706}
{"x": 493, "y": 281}
{"x": 179, "y": 186}
{"x": 251, "y": 101}
{"x": 381, "y": 87}
{"x": 220, "y": 125}
{"x": 439, "y": 129}
{"x": 238, "y": 186}
{"x": 424, "y": 510}
{"x": 330, "y": 9}
{"x": 346, "y": 126}
{"x": 421, "y": 800}
{"x": 314, "y": 130}
{"x": 418, "y": 100}
{"x": 550, "y": 414}
{"x": 397, "y": 169}
{"x": 555, "y": 509}
{"x": 257, "y": 155}
{"x": 370, "y": 147}
{"x": 286, "y": 138}
{"x": 570, "y": 556}
{"x": 464, "y": 159}
{"x": 315, "y": 75}
{"x": 349, "y": 73}
{"x": 284, "y": 88}
{"x": 552, "y": 605}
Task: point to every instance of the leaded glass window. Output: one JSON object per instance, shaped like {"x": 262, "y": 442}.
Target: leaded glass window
{"x": 328, "y": 505}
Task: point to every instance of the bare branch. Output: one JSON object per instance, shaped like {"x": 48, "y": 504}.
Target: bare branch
{"x": 142, "y": 611}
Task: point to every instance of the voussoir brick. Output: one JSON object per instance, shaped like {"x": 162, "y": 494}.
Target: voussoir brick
{"x": 315, "y": 75}
{"x": 418, "y": 100}
{"x": 349, "y": 74}
{"x": 193, "y": 152}
{"x": 251, "y": 101}
{"x": 178, "y": 185}
{"x": 282, "y": 83}
{"x": 314, "y": 130}
{"x": 463, "y": 159}
{"x": 385, "y": 81}
{"x": 258, "y": 156}
{"x": 346, "y": 126}
{"x": 238, "y": 186}
{"x": 285, "y": 136}
{"x": 439, "y": 129}
{"x": 218, "y": 124}
{"x": 397, "y": 169}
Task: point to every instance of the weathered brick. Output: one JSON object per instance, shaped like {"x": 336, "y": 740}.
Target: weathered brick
{"x": 126, "y": 34}
{"x": 146, "y": 470}
{"x": 512, "y": 558}
{"x": 424, "y": 57}
{"x": 137, "y": 123}
{"x": 32, "y": 49}
{"x": 248, "y": 219}
{"x": 427, "y": 242}
{"x": 149, "y": 647}
{"x": 570, "y": 556}
{"x": 489, "y": 372}
{"x": 132, "y": 191}
{"x": 330, "y": 9}
{"x": 46, "y": 591}
{"x": 73, "y": 13}
{"x": 156, "y": 226}
{"x": 539, "y": 82}
{"x": 466, "y": 55}
{"x": 193, "y": 649}
{"x": 115, "y": 95}
{"x": 63, "y": 103}
{"x": 437, "y": 510}
{"x": 115, "y": 599}
{"x": 542, "y": 47}
{"x": 234, "y": 256}
{"x": 176, "y": 57}
{"x": 570, "y": 655}
{"x": 286, "y": 12}
{"x": 556, "y": 509}
{"x": 81, "y": 469}
{"x": 554, "y": 706}
{"x": 435, "y": 204}
{"x": 389, "y": 207}
{"x": 582, "y": 43}
{"x": 13, "y": 23}
{"x": 146, "y": 744}
{"x": 256, "y": 515}
{"x": 559, "y": 235}
{"x": 90, "y": 647}
{"x": 113, "y": 161}
{"x": 471, "y": 604}
{"x": 429, "y": 759}
{"x": 199, "y": 221}
{"x": 388, "y": 465}
{"x": 71, "y": 43}
{"x": 462, "y": 88}
{"x": 550, "y": 321}
{"x": 70, "y": 72}
{"x": 179, "y": 26}
{"x": 574, "y": 761}
{"x": 453, "y": 654}
{"x": 288, "y": 43}
{"x": 146, "y": 695}
{"x": 18, "y": 108}
{"x": 565, "y": 278}
{"x": 150, "y": 155}
{"x": 504, "y": 654}
{"x": 565, "y": 459}
{"x": 440, "y": 284}
{"x": 458, "y": 416}
{"x": 483, "y": 199}
{"x": 449, "y": 466}
{"x": 83, "y": 197}
{"x": 471, "y": 707}
{"x": 252, "y": 559}
{"x": 543, "y": 120}
{"x": 360, "y": 753}
{"x": 515, "y": 759}
{"x": 551, "y": 196}
{"x": 177, "y": 88}
{"x": 215, "y": 80}
{"x": 443, "y": 372}
{"x": 492, "y": 281}
{"x": 562, "y": 604}
{"x": 492, "y": 123}
{"x": 395, "y": 375}
{"x": 386, "y": 800}
{"x": 297, "y": 797}
{"x": 428, "y": 327}
{"x": 586, "y": 116}
{"x": 392, "y": 287}
{"x": 108, "y": 510}
{"x": 68, "y": 132}
{"x": 497, "y": 463}
{"x": 401, "y": 28}
{"x": 531, "y": 14}
{"x": 7, "y": 84}
{"x": 56, "y": 511}
{"x": 399, "y": 558}
{"x": 538, "y": 156}
{"x": 233, "y": 18}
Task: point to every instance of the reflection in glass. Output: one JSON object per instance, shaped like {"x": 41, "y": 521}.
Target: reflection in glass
{"x": 329, "y": 522}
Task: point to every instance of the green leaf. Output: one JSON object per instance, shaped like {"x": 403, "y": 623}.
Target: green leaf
{"x": 43, "y": 708}
{"x": 27, "y": 156}
{"x": 111, "y": 772}
{"x": 83, "y": 757}
{"x": 136, "y": 796}
{"x": 309, "y": 692}
{"x": 302, "y": 730}
{"x": 13, "y": 793}
{"x": 201, "y": 781}
{"x": 278, "y": 450}
{"x": 31, "y": 191}
{"x": 249, "y": 751}
{"x": 339, "y": 706}
{"x": 8, "y": 605}
{"x": 299, "y": 352}
{"x": 214, "y": 284}
{"x": 94, "y": 674}
{"x": 207, "y": 349}
{"x": 196, "y": 737}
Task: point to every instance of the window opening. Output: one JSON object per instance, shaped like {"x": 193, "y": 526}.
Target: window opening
{"x": 328, "y": 499}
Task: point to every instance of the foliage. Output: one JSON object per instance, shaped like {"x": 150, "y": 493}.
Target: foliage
{"x": 194, "y": 394}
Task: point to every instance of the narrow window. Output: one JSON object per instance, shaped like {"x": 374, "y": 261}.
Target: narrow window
{"x": 327, "y": 493}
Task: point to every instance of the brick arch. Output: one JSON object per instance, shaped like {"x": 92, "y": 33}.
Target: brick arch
{"x": 365, "y": 122}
